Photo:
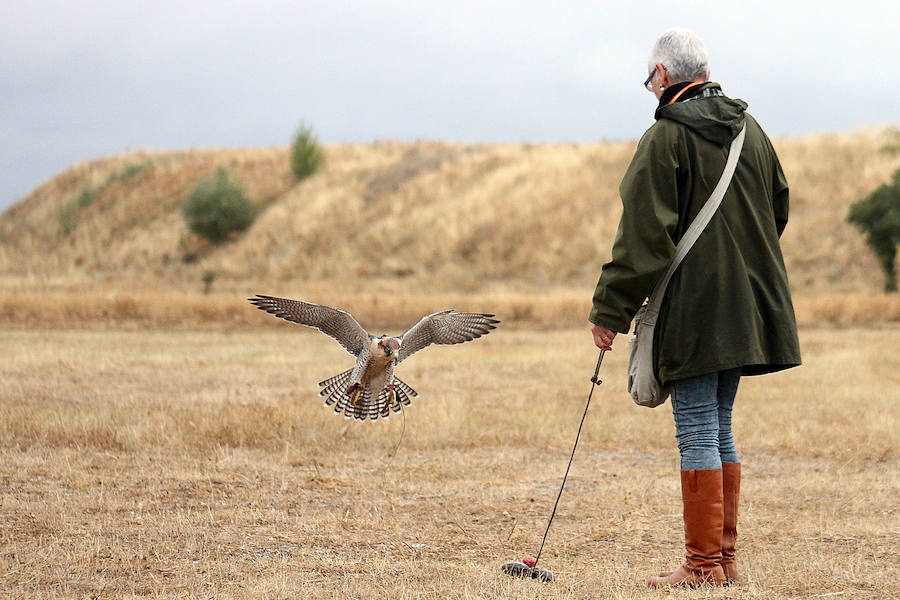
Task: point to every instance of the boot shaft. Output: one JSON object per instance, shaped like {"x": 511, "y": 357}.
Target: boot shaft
{"x": 731, "y": 489}
{"x": 702, "y": 494}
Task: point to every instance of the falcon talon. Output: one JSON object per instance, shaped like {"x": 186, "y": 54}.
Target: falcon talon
{"x": 393, "y": 399}
{"x": 354, "y": 392}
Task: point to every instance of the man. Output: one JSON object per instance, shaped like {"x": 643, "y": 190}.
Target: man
{"x": 727, "y": 310}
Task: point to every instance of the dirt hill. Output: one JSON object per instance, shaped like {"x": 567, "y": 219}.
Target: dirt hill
{"x": 449, "y": 216}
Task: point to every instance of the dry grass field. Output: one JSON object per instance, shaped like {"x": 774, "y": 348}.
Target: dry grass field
{"x": 123, "y": 302}
{"x": 179, "y": 463}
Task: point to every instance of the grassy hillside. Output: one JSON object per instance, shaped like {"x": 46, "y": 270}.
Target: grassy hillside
{"x": 449, "y": 216}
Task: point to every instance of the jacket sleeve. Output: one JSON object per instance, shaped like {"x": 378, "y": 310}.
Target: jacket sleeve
{"x": 644, "y": 245}
{"x": 780, "y": 200}
{"x": 780, "y": 195}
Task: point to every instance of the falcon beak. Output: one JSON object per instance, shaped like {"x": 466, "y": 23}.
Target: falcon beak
{"x": 395, "y": 355}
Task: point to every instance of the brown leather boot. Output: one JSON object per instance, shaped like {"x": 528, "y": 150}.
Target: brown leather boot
{"x": 701, "y": 493}
{"x": 731, "y": 487}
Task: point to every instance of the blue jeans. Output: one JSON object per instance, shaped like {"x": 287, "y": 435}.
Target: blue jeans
{"x": 702, "y": 408}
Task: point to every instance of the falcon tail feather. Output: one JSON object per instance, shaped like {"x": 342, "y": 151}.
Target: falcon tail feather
{"x": 334, "y": 389}
{"x": 337, "y": 383}
{"x": 352, "y": 406}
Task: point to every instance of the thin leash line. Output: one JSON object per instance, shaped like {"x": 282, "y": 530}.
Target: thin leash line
{"x": 402, "y": 431}
{"x": 594, "y": 382}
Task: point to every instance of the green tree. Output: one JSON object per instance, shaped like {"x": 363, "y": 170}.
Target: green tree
{"x": 878, "y": 217}
{"x": 217, "y": 207}
{"x": 306, "y": 154}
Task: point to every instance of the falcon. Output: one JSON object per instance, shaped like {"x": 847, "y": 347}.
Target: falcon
{"x": 370, "y": 389}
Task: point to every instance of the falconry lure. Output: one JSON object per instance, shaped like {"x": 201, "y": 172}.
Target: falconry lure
{"x": 370, "y": 389}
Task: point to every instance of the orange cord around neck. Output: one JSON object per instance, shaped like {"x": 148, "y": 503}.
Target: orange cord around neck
{"x": 683, "y": 90}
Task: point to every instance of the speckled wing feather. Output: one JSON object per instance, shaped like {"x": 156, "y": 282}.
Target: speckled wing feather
{"x": 334, "y": 322}
{"x": 445, "y": 327}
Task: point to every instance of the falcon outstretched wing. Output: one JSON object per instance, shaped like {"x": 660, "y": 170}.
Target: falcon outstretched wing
{"x": 334, "y": 322}
{"x": 445, "y": 327}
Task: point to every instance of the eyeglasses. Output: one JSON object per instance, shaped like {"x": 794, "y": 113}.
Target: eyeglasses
{"x": 647, "y": 83}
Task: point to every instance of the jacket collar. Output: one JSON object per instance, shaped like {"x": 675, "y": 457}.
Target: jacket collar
{"x": 707, "y": 111}
{"x": 672, "y": 91}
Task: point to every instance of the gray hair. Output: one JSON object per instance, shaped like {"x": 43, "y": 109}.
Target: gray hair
{"x": 683, "y": 55}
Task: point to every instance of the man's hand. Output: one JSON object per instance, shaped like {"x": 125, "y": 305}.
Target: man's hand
{"x": 603, "y": 337}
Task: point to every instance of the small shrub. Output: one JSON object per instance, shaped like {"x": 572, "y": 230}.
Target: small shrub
{"x": 892, "y": 147}
{"x": 217, "y": 207}
{"x": 127, "y": 172}
{"x": 209, "y": 277}
{"x": 878, "y": 216}
{"x": 306, "y": 154}
{"x": 68, "y": 218}
{"x": 86, "y": 197}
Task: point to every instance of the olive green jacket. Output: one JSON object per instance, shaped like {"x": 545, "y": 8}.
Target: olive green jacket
{"x": 728, "y": 304}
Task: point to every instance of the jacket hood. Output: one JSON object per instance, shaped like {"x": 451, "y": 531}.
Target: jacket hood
{"x": 716, "y": 118}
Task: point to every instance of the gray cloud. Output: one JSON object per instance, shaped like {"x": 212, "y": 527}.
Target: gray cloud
{"x": 98, "y": 78}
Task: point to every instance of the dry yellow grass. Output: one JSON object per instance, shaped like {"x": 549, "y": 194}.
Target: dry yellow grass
{"x": 444, "y": 216}
{"x": 198, "y": 464}
{"x": 118, "y": 305}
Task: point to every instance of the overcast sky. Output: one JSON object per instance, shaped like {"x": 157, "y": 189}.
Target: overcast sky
{"x": 80, "y": 80}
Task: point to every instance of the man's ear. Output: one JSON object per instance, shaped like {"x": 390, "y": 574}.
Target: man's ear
{"x": 664, "y": 75}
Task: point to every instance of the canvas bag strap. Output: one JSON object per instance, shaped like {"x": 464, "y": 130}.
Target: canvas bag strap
{"x": 698, "y": 225}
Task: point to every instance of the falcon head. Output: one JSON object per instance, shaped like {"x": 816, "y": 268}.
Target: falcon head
{"x": 390, "y": 346}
